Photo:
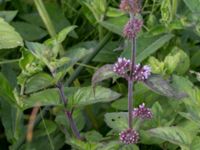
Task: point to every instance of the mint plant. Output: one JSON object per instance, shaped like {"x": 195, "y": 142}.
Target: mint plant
{"x": 50, "y": 50}
{"x": 131, "y": 71}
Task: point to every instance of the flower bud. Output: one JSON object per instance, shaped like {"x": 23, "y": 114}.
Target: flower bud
{"x": 129, "y": 136}
{"x": 141, "y": 73}
{"x": 132, "y": 6}
{"x": 132, "y": 28}
{"x": 142, "y": 112}
{"x": 121, "y": 66}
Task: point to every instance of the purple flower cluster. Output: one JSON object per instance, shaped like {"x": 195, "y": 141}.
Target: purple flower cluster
{"x": 122, "y": 68}
{"x": 141, "y": 73}
{"x": 132, "y": 28}
{"x": 132, "y": 6}
{"x": 142, "y": 112}
{"x": 129, "y": 136}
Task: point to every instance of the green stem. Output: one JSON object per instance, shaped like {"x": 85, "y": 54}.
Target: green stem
{"x": 45, "y": 17}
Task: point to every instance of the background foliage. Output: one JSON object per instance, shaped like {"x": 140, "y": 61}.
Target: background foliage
{"x": 76, "y": 38}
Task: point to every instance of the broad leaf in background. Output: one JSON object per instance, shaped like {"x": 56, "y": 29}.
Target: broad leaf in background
{"x": 163, "y": 87}
{"x": 58, "y": 18}
{"x": 86, "y": 96}
{"x": 117, "y": 121}
{"x": 152, "y": 48}
{"x": 11, "y": 114}
{"x": 157, "y": 66}
{"x": 9, "y": 37}
{"x": 44, "y": 127}
{"x": 193, "y": 5}
{"x": 29, "y": 31}
{"x": 6, "y": 91}
{"x": 12, "y": 120}
{"x": 177, "y": 61}
{"x": 114, "y": 145}
{"x": 195, "y": 143}
{"x": 115, "y": 25}
{"x": 8, "y": 15}
{"x": 175, "y": 135}
{"x": 78, "y": 117}
{"x": 192, "y": 102}
{"x": 147, "y": 45}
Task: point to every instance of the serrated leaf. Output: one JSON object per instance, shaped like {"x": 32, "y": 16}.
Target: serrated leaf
{"x": 9, "y": 37}
{"x": 163, "y": 87}
{"x": 117, "y": 121}
{"x": 86, "y": 96}
{"x": 102, "y": 73}
{"x": 37, "y": 82}
{"x": 175, "y": 135}
{"x": 43, "y": 98}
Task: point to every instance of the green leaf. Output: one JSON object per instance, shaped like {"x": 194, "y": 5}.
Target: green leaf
{"x": 86, "y": 96}
{"x": 116, "y": 145}
{"x": 147, "y": 45}
{"x": 43, "y": 98}
{"x": 115, "y": 25}
{"x": 117, "y": 121}
{"x": 156, "y": 65}
{"x": 193, "y": 5}
{"x": 58, "y": 18}
{"x": 177, "y": 61}
{"x": 9, "y": 37}
{"x": 44, "y": 127}
{"x": 41, "y": 51}
{"x": 153, "y": 47}
{"x": 61, "y": 36}
{"x": 8, "y": 15}
{"x": 163, "y": 87}
{"x": 93, "y": 136}
{"x": 175, "y": 135}
{"x": 37, "y": 82}
{"x": 113, "y": 12}
{"x": 78, "y": 117}
{"x": 195, "y": 143}
{"x": 6, "y": 91}
{"x": 28, "y": 31}
{"x": 12, "y": 121}
{"x": 120, "y": 104}
{"x": 79, "y": 145}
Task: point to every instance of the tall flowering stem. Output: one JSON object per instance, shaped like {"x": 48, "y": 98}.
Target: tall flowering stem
{"x": 130, "y": 82}
{"x": 132, "y": 72}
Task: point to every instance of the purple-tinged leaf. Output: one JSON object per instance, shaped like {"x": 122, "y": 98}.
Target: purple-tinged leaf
{"x": 161, "y": 86}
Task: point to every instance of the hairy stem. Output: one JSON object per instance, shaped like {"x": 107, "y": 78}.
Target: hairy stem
{"x": 73, "y": 125}
{"x": 130, "y": 102}
{"x": 67, "y": 112}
